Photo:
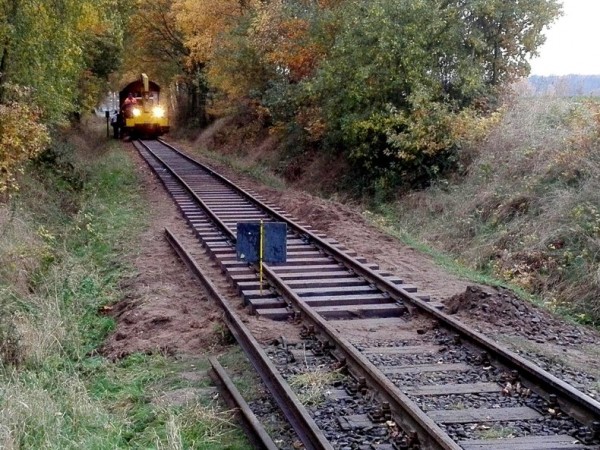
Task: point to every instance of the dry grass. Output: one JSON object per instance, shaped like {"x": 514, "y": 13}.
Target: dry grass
{"x": 174, "y": 441}
{"x": 23, "y": 252}
{"x": 216, "y": 425}
{"x": 40, "y": 325}
{"x": 312, "y": 386}
{"x": 44, "y": 409}
{"x": 527, "y": 209}
{"x": 22, "y": 248}
{"x": 46, "y": 301}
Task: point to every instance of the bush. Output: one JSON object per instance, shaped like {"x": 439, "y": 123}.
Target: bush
{"x": 527, "y": 209}
{"x": 22, "y": 137}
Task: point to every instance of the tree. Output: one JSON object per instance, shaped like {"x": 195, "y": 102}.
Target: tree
{"x": 204, "y": 21}
{"x": 162, "y": 32}
{"x": 388, "y": 84}
{"x": 403, "y": 75}
{"x": 54, "y": 58}
{"x": 154, "y": 37}
{"x": 504, "y": 35}
{"x": 43, "y": 48}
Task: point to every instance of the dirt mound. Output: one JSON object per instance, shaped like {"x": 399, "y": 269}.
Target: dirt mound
{"x": 506, "y": 313}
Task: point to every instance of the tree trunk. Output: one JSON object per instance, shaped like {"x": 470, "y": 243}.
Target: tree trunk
{"x": 3, "y": 65}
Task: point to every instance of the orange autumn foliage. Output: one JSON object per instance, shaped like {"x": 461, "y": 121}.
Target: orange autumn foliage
{"x": 286, "y": 42}
{"x": 203, "y": 21}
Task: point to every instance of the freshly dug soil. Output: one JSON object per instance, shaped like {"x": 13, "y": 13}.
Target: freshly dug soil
{"x": 508, "y": 314}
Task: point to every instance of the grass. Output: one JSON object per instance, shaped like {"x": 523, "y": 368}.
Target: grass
{"x": 526, "y": 212}
{"x": 242, "y": 374}
{"x": 385, "y": 219}
{"x": 64, "y": 240}
{"x": 495, "y": 432}
{"x": 311, "y": 386}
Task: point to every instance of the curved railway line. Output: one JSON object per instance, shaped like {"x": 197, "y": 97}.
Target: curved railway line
{"x": 435, "y": 383}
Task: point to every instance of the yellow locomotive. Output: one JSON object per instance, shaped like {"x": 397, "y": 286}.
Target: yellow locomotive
{"x": 141, "y": 114}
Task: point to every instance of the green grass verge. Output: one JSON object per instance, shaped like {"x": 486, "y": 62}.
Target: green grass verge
{"x": 386, "y": 221}
{"x": 64, "y": 239}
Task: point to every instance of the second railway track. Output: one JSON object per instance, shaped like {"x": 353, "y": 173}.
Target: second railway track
{"x": 441, "y": 381}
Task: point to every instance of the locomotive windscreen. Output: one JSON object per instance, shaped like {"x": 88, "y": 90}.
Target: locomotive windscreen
{"x": 137, "y": 89}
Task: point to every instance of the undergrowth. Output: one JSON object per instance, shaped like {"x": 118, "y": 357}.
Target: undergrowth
{"x": 527, "y": 210}
{"x": 64, "y": 238}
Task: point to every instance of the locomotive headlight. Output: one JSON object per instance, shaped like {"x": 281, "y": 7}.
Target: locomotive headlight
{"x": 158, "y": 111}
{"x": 137, "y": 112}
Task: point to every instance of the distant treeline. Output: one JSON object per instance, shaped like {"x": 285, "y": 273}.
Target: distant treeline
{"x": 567, "y": 85}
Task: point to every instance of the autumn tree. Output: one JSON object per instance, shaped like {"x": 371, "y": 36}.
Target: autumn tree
{"x": 274, "y": 47}
{"x": 403, "y": 76}
{"x": 173, "y": 41}
{"x": 204, "y": 21}
{"x": 155, "y": 46}
{"x": 211, "y": 27}
{"x": 393, "y": 86}
{"x": 54, "y": 58}
{"x": 22, "y": 137}
{"x": 286, "y": 37}
{"x": 44, "y": 48}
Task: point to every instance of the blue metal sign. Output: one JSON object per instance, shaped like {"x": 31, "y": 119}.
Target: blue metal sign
{"x": 274, "y": 243}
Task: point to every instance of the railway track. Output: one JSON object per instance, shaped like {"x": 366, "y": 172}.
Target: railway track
{"x": 434, "y": 383}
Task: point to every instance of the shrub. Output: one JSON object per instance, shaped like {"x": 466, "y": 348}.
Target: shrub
{"x": 527, "y": 209}
{"x": 22, "y": 137}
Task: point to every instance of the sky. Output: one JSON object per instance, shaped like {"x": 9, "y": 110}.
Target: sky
{"x": 573, "y": 42}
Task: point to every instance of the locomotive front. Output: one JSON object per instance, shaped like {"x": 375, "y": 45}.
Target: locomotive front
{"x": 141, "y": 114}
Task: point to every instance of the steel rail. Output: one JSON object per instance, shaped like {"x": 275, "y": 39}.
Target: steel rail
{"x": 203, "y": 205}
{"x": 254, "y": 428}
{"x": 308, "y": 432}
{"x": 581, "y": 406}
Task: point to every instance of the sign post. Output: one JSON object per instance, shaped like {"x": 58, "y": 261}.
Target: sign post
{"x": 260, "y": 263}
